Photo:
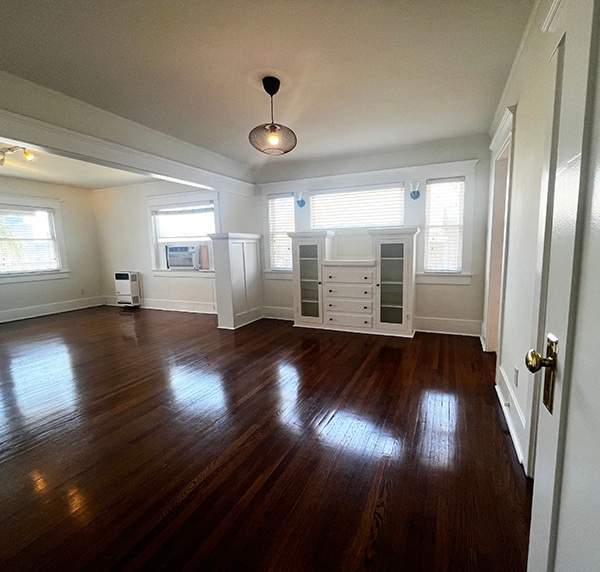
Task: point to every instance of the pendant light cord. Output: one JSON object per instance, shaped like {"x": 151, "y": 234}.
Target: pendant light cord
{"x": 272, "y": 120}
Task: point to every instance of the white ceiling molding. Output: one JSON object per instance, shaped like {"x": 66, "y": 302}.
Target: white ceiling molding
{"x": 554, "y": 11}
{"x": 371, "y": 178}
{"x": 74, "y": 145}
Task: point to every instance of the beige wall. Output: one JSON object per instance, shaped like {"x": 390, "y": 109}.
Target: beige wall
{"x": 83, "y": 286}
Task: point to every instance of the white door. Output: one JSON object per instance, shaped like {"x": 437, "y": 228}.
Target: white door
{"x": 561, "y": 251}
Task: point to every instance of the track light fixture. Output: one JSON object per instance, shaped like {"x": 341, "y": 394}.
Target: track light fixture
{"x": 272, "y": 138}
{"x": 29, "y": 156}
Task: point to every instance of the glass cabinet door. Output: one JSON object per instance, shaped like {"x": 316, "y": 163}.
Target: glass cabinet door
{"x": 391, "y": 296}
{"x": 308, "y": 255}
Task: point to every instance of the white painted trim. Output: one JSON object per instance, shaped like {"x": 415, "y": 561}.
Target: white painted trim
{"x": 278, "y": 274}
{"x": 34, "y": 276}
{"x": 513, "y": 397}
{"x": 503, "y": 132}
{"x": 441, "y": 278}
{"x": 172, "y": 305}
{"x": 75, "y": 145}
{"x": 451, "y": 326}
{"x": 505, "y": 405}
{"x": 549, "y": 24}
{"x": 46, "y": 309}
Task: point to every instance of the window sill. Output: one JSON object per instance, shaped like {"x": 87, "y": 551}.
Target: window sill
{"x": 183, "y": 273}
{"x": 34, "y": 276}
{"x": 442, "y": 278}
{"x": 278, "y": 275}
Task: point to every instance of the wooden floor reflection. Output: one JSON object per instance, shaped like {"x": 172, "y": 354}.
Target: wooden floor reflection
{"x": 152, "y": 440}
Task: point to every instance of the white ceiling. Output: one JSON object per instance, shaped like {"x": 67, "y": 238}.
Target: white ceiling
{"x": 357, "y": 76}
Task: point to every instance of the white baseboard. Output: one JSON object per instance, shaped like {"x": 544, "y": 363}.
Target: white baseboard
{"x": 447, "y": 326}
{"x": 46, "y": 309}
{"x": 278, "y": 313}
{"x": 174, "y": 305}
{"x": 510, "y": 406}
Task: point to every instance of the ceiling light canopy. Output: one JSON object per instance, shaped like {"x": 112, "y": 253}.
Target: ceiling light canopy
{"x": 272, "y": 138}
{"x": 29, "y": 156}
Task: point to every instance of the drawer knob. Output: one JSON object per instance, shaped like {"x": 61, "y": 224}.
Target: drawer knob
{"x": 330, "y": 305}
{"x": 331, "y": 319}
{"x": 366, "y": 322}
{"x": 366, "y": 292}
{"x": 331, "y": 290}
{"x": 366, "y": 277}
{"x": 365, "y": 307}
{"x": 330, "y": 277}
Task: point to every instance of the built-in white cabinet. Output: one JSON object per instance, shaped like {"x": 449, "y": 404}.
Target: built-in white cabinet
{"x": 308, "y": 253}
{"x": 238, "y": 279}
{"x": 394, "y": 286}
{"x": 373, "y": 295}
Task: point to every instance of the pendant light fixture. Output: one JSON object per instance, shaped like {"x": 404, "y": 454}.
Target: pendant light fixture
{"x": 272, "y": 138}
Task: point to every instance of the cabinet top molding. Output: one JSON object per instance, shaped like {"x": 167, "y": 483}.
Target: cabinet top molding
{"x": 394, "y": 231}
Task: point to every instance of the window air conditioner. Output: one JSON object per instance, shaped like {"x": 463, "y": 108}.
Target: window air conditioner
{"x": 182, "y": 257}
{"x": 127, "y": 288}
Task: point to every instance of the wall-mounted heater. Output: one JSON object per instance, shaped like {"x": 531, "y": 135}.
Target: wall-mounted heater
{"x": 127, "y": 288}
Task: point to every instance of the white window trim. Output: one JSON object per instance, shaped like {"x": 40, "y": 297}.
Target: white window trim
{"x": 465, "y": 275}
{"x": 41, "y": 203}
{"x": 177, "y": 200}
{"x": 268, "y": 272}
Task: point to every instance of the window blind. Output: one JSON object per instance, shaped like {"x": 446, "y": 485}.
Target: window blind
{"x": 27, "y": 240}
{"x": 281, "y": 221}
{"x": 444, "y": 216}
{"x": 366, "y": 208}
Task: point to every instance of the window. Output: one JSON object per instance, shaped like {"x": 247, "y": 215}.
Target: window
{"x": 28, "y": 237}
{"x": 281, "y": 221}
{"x": 365, "y": 208}
{"x": 444, "y": 214}
{"x": 181, "y": 236}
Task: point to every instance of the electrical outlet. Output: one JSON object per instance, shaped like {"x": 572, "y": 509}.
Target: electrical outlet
{"x": 516, "y": 377}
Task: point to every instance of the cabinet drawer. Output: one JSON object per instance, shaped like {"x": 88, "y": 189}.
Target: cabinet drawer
{"x": 352, "y": 275}
{"x": 349, "y": 320}
{"x": 351, "y": 306}
{"x": 348, "y": 291}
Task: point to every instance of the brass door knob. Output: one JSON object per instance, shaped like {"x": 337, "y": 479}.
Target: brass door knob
{"x": 534, "y": 361}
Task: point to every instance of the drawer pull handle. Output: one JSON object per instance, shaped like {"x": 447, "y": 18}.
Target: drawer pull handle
{"x": 331, "y": 319}
{"x": 330, "y": 277}
{"x": 366, "y": 322}
{"x": 364, "y": 307}
{"x": 366, "y": 292}
{"x": 331, "y": 290}
{"x": 366, "y": 277}
{"x": 330, "y": 305}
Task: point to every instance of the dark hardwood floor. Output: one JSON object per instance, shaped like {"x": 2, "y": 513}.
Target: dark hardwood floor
{"x": 152, "y": 440}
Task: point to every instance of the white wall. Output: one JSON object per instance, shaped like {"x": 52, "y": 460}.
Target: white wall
{"x": 531, "y": 90}
{"x": 125, "y": 243}
{"x": 82, "y": 287}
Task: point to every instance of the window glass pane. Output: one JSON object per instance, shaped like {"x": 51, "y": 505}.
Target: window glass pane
{"x": 27, "y": 241}
{"x": 183, "y": 226}
{"x": 444, "y": 207}
{"x": 281, "y": 221}
{"x": 368, "y": 208}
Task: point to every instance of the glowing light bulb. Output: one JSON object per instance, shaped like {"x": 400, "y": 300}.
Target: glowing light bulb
{"x": 274, "y": 139}
{"x": 29, "y": 156}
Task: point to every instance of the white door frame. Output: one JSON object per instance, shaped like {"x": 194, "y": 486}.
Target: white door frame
{"x": 498, "y": 221}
